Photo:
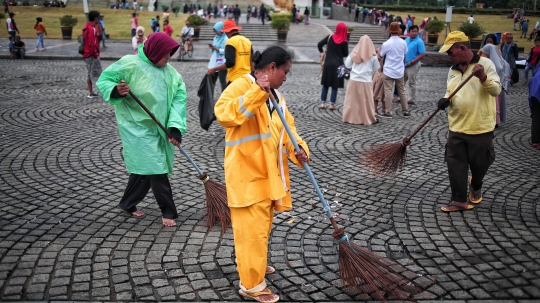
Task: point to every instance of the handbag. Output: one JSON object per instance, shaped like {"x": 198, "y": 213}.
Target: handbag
{"x": 322, "y": 57}
{"x": 343, "y": 72}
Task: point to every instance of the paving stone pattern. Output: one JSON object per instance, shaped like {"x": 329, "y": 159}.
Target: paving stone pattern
{"x": 62, "y": 236}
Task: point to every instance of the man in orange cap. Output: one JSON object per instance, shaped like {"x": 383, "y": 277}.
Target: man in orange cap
{"x": 238, "y": 53}
{"x": 471, "y": 120}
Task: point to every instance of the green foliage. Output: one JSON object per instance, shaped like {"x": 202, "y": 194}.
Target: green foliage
{"x": 471, "y": 30}
{"x": 435, "y": 26}
{"x": 457, "y": 10}
{"x": 68, "y": 21}
{"x": 197, "y": 20}
{"x": 281, "y": 23}
{"x": 350, "y": 29}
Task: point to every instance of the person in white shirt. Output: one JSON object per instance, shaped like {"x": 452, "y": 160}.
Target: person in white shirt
{"x": 470, "y": 19}
{"x": 187, "y": 32}
{"x": 359, "y": 107}
{"x": 395, "y": 50}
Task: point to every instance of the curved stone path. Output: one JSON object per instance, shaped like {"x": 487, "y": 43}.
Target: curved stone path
{"x": 63, "y": 238}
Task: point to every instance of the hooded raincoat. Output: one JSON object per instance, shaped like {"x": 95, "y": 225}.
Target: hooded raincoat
{"x": 146, "y": 148}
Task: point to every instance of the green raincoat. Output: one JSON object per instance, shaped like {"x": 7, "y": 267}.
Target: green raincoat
{"x": 146, "y": 148}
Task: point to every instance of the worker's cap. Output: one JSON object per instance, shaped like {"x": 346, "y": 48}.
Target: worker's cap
{"x": 452, "y": 38}
{"x": 230, "y": 25}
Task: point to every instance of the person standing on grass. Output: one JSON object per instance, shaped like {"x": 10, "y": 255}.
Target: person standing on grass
{"x": 134, "y": 25}
{"x": 12, "y": 26}
{"x": 533, "y": 59}
{"x": 471, "y": 19}
{"x": 395, "y": 50}
{"x": 416, "y": 50}
{"x": 524, "y": 28}
{"x": 40, "y": 31}
{"x": 258, "y": 184}
{"x": 91, "y": 51}
{"x": 103, "y": 33}
{"x": 168, "y": 29}
{"x": 147, "y": 151}
{"x": 471, "y": 121}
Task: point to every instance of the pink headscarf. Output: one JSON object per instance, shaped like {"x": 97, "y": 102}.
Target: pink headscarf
{"x": 341, "y": 33}
{"x": 158, "y": 45}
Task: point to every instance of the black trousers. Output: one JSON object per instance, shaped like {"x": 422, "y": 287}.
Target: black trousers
{"x": 535, "y": 125}
{"x": 468, "y": 151}
{"x": 222, "y": 75}
{"x": 139, "y": 185}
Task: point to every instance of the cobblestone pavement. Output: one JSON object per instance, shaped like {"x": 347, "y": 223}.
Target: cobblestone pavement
{"x": 62, "y": 236}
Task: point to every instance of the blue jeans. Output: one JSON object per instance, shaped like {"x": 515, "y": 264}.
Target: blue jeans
{"x": 333, "y": 95}
{"x": 528, "y": 68}
{"x": 40, "y": 40}
{"x": 133, "y": 32}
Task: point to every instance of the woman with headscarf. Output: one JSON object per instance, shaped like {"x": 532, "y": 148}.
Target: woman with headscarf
{"x": 148, "y": 152}
{"x": 422, "y": 27}
{"x": 139, "y": 39}
{"x": 504, "y": 71}
{"x": 490, "y": 39}
{"x": 358, "y": 107}
{"x": 337, "y": 48}
{"x": 218, "y": 53}
{"x": 534, "y": 105}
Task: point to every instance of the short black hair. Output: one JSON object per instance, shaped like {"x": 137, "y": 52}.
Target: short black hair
{"x": 413, "y": 27}
{"x": 275, "y": 53}
{"x": 93, "y": 15}
{"x": 537, "y": 39}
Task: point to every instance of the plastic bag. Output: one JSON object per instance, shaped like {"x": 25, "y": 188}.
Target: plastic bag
{"x": 206, "y": 101}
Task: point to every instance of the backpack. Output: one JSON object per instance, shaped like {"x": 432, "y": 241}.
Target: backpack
{"x": 81, "y": 44}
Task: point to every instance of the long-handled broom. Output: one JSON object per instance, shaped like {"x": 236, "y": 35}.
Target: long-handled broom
{"x": 386, "y": 159}
{"x": 359, "y": 268}
{"x": 216, "y": 193}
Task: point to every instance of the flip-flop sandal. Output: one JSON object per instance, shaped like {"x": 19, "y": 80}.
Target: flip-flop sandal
{"x": 471, "y": 197}
{"x": 270, "y": 270}
{"x": 452, "y": 207}
{"x": 255, "y": 295}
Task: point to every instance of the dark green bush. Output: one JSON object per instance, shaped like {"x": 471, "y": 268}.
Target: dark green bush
{"x": 471, "y": 30}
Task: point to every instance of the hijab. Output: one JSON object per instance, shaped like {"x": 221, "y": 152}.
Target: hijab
{"x": 493, "y": 37}
{"x": 500, "y": 65}
{"x": 140, "y": 28}
{"x": 341, "y": 33}
{"x": 363, "y": 51}
{"x": 158, "y": 45}
{"x": 219, "y": 40}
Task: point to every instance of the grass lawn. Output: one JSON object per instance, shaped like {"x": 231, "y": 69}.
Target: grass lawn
{"x": 490, "y": 23}
{"x": 117, "y": 22}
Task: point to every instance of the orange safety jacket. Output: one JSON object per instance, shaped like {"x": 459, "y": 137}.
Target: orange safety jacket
{"x": 251, "y": 172}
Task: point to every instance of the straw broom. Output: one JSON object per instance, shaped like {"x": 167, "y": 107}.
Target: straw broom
{"x": 216, "y": 193}
{"x": 359, "y": 268}
{"x": 386, "y": 159}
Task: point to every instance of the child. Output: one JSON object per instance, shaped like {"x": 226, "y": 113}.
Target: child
{"x": 168, "y": 29}
{"x": 11, "y": 47}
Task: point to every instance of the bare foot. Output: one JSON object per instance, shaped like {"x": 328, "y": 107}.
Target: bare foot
{"x": 168, "y": 222}
{"x": 138, "y": 213}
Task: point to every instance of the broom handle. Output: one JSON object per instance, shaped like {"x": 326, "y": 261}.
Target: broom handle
{"x": 306, "y": 166}
{"x": 165, "y": 130}
{"x": 436, "y": 111}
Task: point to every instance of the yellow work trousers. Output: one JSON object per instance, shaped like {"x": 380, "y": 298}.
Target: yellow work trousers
{"x": 251, "y": 228}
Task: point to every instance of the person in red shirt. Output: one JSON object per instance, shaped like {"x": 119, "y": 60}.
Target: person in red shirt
{"x": 533, "y": 59}
{"x": 91, "y": 51}
{"x": 168, "y": 29}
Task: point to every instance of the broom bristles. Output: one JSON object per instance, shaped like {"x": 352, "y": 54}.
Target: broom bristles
{"x": 373, "y": 275}
{"x": 385, "y": 159}
{"x": 217, "y": 208}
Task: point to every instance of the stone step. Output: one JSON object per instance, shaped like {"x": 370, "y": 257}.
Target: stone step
{"x": 254, "y": 32}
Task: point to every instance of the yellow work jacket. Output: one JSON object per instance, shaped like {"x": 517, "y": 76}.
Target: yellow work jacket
{"x": 255, "y": 169}
{"x": 242, "y": 62}
{"x": 472, "y": 110}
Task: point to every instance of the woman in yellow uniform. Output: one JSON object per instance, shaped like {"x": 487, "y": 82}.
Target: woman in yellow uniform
{"x": 257, "y": 149}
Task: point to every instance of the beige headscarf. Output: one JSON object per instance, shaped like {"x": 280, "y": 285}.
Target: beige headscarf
{"x": 140, "y": 28}
{"x": 363, "y": 51}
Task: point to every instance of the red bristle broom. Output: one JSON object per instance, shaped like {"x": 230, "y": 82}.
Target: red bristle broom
{"x": 386, "y": 159}
{"x": 359, "y": 268}
{"x": 216, "y": 193}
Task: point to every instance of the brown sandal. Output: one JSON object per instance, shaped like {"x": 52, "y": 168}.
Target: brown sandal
{"x": 256, "y": 295}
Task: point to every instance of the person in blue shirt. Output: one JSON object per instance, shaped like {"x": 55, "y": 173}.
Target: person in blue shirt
{"x": 103, "y": 27}
{"x": 416, "y": 50}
